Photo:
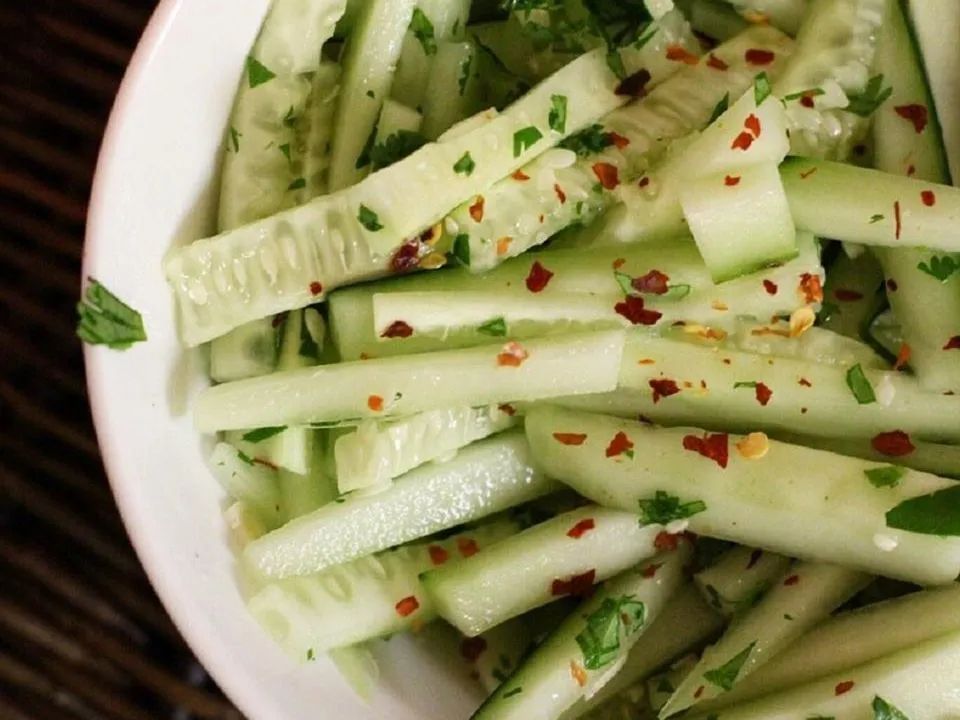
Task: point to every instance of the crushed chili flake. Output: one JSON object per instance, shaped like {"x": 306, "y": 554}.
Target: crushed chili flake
{"x": 570, "y": 438}
{"x": 316, "y": 288}
{"x": 432, "y": 235}
{"x": 266, "y": 463}
{"x": 953, "y": 343}
{"x": 743, "y": 141}
{"x": 731, "y": 180}
{"x": 716, "y": 63}
{"x": 635, "y": 85}
{"x": 753, "y": 446}
{"x": 375, "y": 403}
{"x": 845, "y": 295}
{"x": 538, "y": 278}
{"x": 915, "y": 113}
{"x": 752, "y": 123}
{"x": 805, "y": 382}
{"x": 895, "y": 443}
{"x": 407, "y": 606}
{"x": 911, "y": 170}
{"x": 792, "y": 580}
{"x": 651, "y": 570}
{"x": 520, "y": 176}
{"x": 892, "y": 285}
{"x": 632, "y": 308}
{"x": 699, "y": 692}
{"x": 472, "y": 648}
{"x": 663, "y": 387}
{"x": 503, "y": 245}
{"x": 577, "y": 586}
{"x": 407, "y": 257}
{"x": 801, "y": 320}
{"x": 807, "y": 101}
{"x": 712, "y": 446}
{"x": 756, "y": 17}
{"x": 727, "y": 361}
{"x": 620, "y": 445}
{"x": 646, "y": 361}
{"x": 844, "y": 687}
{"x": 644, "y": 181}
{"x": 804, "y": 175}
{"x": 754, "y": 559}
{"x": 578, "y": 674}
{"x": 476, "y": 209}
{"x": 581, "y": 528}
{"x": 763, "y": 393}
{"x": 756, "y": 56}
{"x": 607, "y": 174}
{"x": 903, "y": 356}
{"x": 438, "y": 555}
{"x": 512, "y": 355}
{"x": 898, "y": 225}
{"x": 507, "y": 409}
{"x": 397, "y": 329}
{"x": 665, "y": 541}
{"x": 653, "y": 283}
{"x": 719, "y": 305}
{"x": 561, "y": 195}
{"x": 770, "y": 286}
{"x": 929, "y": 198}
{"x": 619, "y": 141}
{"x": 681, "y": 54}
{"x": 812, "y": 288}
{"x": 619, "y": 263}
{"x": 467, "y": 547}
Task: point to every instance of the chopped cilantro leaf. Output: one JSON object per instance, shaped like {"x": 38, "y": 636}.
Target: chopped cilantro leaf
{"x": 369, "y": 219}
{"x": 235, "y": 136}
{"x": 876, "y": 218}
{"x": 395, "y": 148}
{"x": 364, "y": 158}
{"x": 371, "y": 94}
{"x": 934, "y": 514}
{"x": 511, "y": 693}
{"x": 882, "y": 710}
{"x": 882, "y": 477}
{"x": 261, "y": 434}
{"x": 625, "y": 282}
{"x": 257, "y": 72}
{"x": 310, "y": 654}
{"x": 465, "y": 165}
{"x": 725, "y": 676}
{"x": 497, "y": 327}
{"x": 942, "y": 268}
{"x": 761, "y": 88}
{"x": 461, "y": 249}
{"x": 812, "y": 92}
{"x": 290, "y": 119}
{"x": 665, "y": 686}
{"x": 600, "y": 639}
{"x": 106, "y": 320}
{"x": 422, "y": 30}
{"x": 285, "y": 149}
{"x": 589, "y": 141}
{"x": 244, "y": 457}
{"x": 872, "y": 97}
{"x": 524, "y": 139}
{"x": 665, "y": 508}
{"x": 860, "y": 386}
{"x": 297, "y": 184}
{"x": 557, "y": 118}
{"x": 738, "y": 385}
{"x": 720, "y": 108}
{"x": 615, "y": 63}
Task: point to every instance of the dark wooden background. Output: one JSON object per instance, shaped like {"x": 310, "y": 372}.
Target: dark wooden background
{"x": 82, "y": 635}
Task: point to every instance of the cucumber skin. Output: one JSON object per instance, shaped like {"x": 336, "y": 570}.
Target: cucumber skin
{"x": 738, "y": 578}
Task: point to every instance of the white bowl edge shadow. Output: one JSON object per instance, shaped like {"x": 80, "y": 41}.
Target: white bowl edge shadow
{"x": 153, "y": 190}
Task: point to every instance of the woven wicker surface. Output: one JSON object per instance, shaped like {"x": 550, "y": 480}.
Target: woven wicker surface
{"x": 82, "y": 635}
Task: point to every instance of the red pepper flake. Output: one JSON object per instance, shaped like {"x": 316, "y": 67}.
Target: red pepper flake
{"x": 755, "y": 56}
{"x": 893, "y": 444}
{"x": 467, "y": 547}
{"x": 561, "y": 195}
{"x": 770, "y": 286}
{"x": 662, "y": 388}
{"x": 844, "y": 687}
{"x": 581, "y": 528}
{"x": 503, "y": 245}
{"x": 538, "y": 278}
{"x": 911, "y": 170}
{"x": 375, "y": 403}
{"x": 812, "y": 288}
{"x": 953, "y": 343}
{"x": 438, "y": 555}
{"x": 520, "y": 176}
{"x": 928, "y": 198}
{"x": 512, "y": 355}
{"x": 806, "y": 100}
{"x": 646, "y": 361}
{"x": 791, "y": 581}
{"x": 763, "y": 393}
{"x": 633, "y": 310}
{"x": 651, "y": 570}
{"x": 316, "y": 288}
{"x": 743, "y": 141}
{"x": 619, "y": 263}
{"x": 903, "y": 356}
{"x": 507, "y": 409}
{"x": 754, "y": 559}
{"x": 804, "y": 175}
{"x": 898, "y": 225}
{"x": 472, "y": 648}
{"x": 665, "y": 541}
{"x": 578, "y": 674}
{"x": 644, "y": 181}
{"x": 752, "y": 123}
{"x": 577, "y": 586}
{"x": 265, "y": 463}
{"x": 407, "y": 606}
{"x": 681, "y": 54}
{"x": 574, "y": 439}
{"x": 653, "y": 283}
{"x": 716, "y": 63}
{"x": 892, "y": 285}
{"x": 407, "y": 257}
{"x": 619, "y": 141}
{"x": 397, "y": 329}
{"x": 805, "y": 382}
{"x": 845, "y": 295}
{"x": 712, "y": 446}
{"x": 635, "y": 85}
{"x": 699, "y": 692}
{"x": 476, "y": 210}
{"x": 731, "y": 180}
{"x": 620, "y": 445}
{"x": 607, "y": 174}
{"x": 916, "y": 114}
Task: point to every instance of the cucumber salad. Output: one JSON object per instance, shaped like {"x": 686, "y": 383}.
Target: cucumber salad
{"x": 618, "y": 341}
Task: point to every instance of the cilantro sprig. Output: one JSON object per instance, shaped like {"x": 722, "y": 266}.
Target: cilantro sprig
{"x": 935, "y": 514}
{"x": 104, "y": 319}
{"x": 872, "y": 97}
{"x": 395, "y": 148}
{"x": 664, "y": 508}
{"x": 860, "y": 386}
{"x": 725, "y": 676}
{"x": 941, "y": 267}
{"x": 589, "y": 141}
{"x": 615, "y": 618}
{"x": 883, "y": 710}
{"x": 258, "y": 73}
{"x": 422, "y": 30}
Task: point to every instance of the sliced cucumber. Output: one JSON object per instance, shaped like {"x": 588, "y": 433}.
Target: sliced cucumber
{"x": 852, "y": 693}
{"x": 758, "y": 499}
{"x": 395, "y": 117}
{"x": 361, "y": 600}
{"x": 853, "y": 294}
{"x": 369, "y": 62}
{"x": 375, "y": 453}
{"x": 287, "y": 448}
{"x": 245, "y": 480}
{"x": 504, "y": 647}
{"x": 452, "y": 91}
{"x": 716, "y": 19}
{"x": 817, "y": 345}
{"x": 244, "y": 524}
{"x": 851, "y": 639}
{"x": 739, "y": 579}
{"x": 316, "y": 131}
{"x": 540, "y": 564}
{"x": 662, "y": 685}
{"x": 581, "y": 656}
{"x": 391, "y": 387}
{"x": 788, "y": 15}
{"x": 804, "y": 596}
{"x": 483, "y": 479}
{"x": 294, "y": 32}
{"x": 248, "y": 351}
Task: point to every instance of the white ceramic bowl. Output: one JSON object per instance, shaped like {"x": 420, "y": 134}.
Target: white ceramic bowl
{"x": 155, "y": 188}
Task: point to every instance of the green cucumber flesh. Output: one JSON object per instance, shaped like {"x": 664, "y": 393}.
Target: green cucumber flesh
{"x": 290, "y": 448}
{"x": 247, "y": 351}
{"x": 294, "y": 32}
{"x": 452, "y": 91}
{"x": 245, "y": 480}
{"x": 739, "y": 579}
{"x": 316, "y": 131}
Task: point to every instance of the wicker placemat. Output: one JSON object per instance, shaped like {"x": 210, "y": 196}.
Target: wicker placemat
{"x": 82, "y": 635}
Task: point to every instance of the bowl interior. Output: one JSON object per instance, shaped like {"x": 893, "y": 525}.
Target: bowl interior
{"x": 156, "y": 188}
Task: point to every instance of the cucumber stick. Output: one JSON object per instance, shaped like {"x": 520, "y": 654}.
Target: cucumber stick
{"x": 564, "y": 190}
{"x": 786, "y": 498}
{"x": 287, "y": 448}
{"x": 254, "y": 484}
{"x": 662, "y": 685}
{"x": 292, "y": 259}
{"x": 803, "y": 597}
{"x": 483, "y": 479}
{"x": 452, "y": 92}
{"x": 581, "y": 655}
{"x": 390, "y": 387}
{"x": 316, "y": 131}
{"x": 739, "y": 579}
{"x": 716, "y": 19}
{"x": 936, "y": 458}
{"x": 885, "y": 330}
{"x": 851, "y": 639}
{"x": 928, "y": 308}
{"x": 539, "y": 565}
{"x": 919, "y": 682}
{"x": 294, "y": 32}
{"x": 817, "y": 345}
{"x": 244, "y": 524}
{"x": 853, "y": 294}
{"x": 375, "y": 453}
{"x": 248, "y": 351}
{"x": 364, "y": 599}
{"x": 369, "y": 62}
{"x": 505, "y": 646}
{"x": 678, "y": 382}
{"x": 787, "y": 15}
{"x": 395, "y": 117}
